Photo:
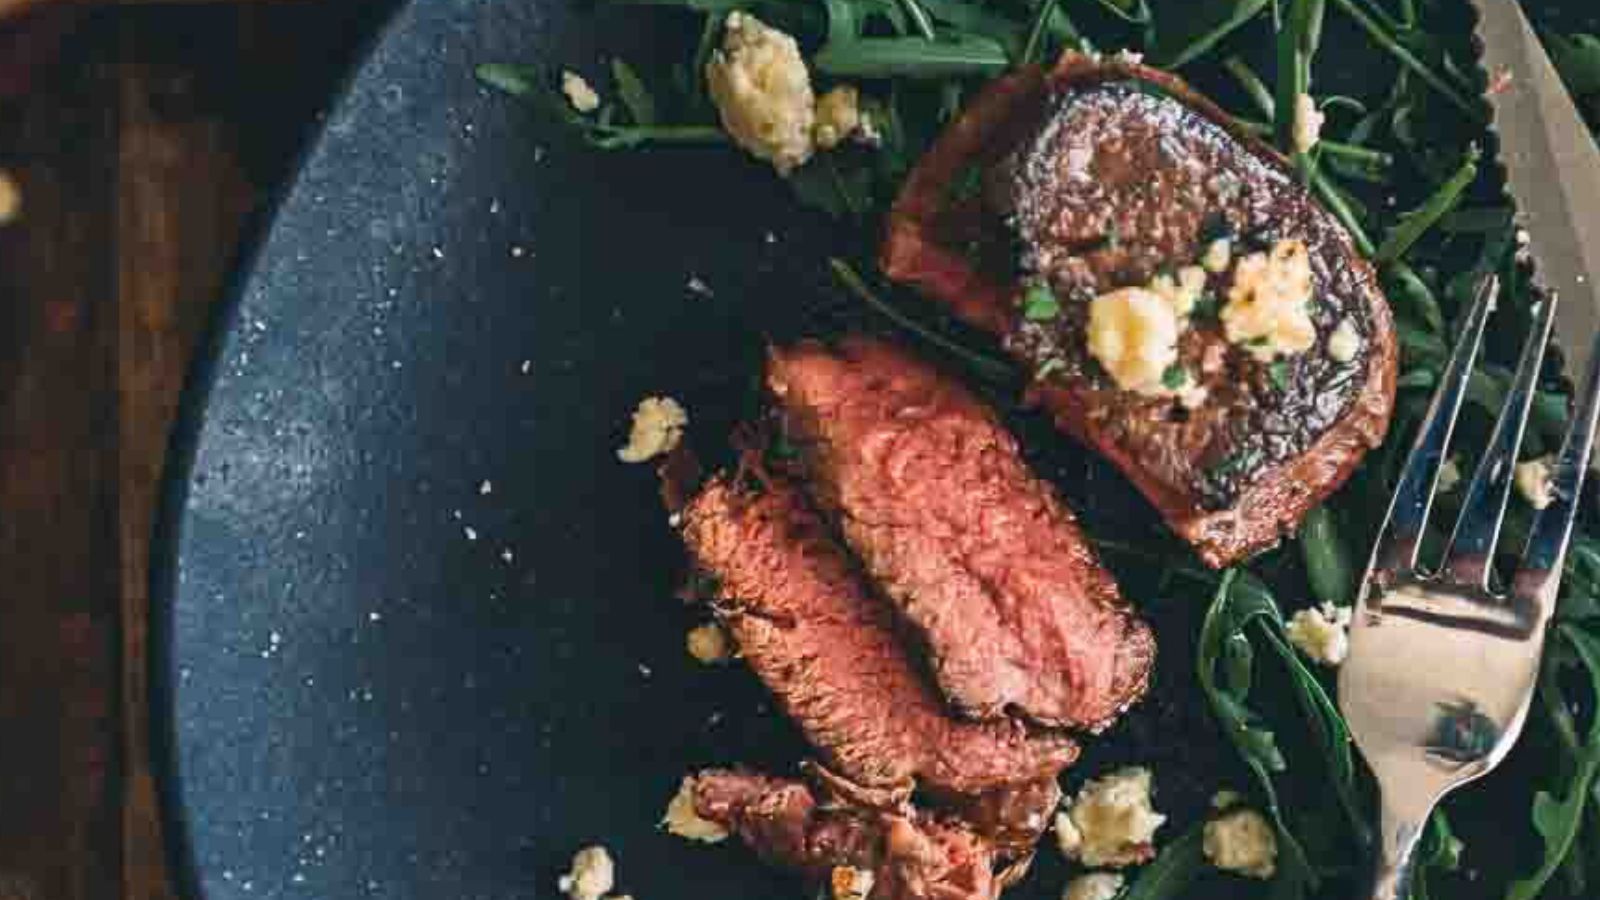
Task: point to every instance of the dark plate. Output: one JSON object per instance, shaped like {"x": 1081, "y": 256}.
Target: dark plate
{"x": 419, "y": 638}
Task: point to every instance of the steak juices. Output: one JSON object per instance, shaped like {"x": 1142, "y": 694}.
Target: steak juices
{"x": 922, "y": 605}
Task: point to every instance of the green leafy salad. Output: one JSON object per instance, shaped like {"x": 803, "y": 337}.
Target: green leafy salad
{"x": 1376, "y": 104}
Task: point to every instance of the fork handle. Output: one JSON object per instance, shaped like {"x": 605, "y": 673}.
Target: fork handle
{"x": 1400, "y": 830}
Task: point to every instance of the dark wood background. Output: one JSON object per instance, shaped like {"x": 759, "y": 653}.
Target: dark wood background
{"x": 144, "y": 139}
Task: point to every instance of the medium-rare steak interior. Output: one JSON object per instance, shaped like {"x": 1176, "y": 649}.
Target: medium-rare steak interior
{"x": 807, "y": 624}
{"x": 1185, "y": 306}
{"x": 996, "y": 596}
{"x": 977, "y": 554}
{"x": 900, "y": 854}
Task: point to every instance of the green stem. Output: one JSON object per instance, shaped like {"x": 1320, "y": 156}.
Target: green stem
{"x": 1414, "y": 225}
{"x": 1333, "y": 198}
{"x": 1254, "y": 87}
{"x": 919, "y": 18}
{"x": 1386, "y": 41}
{"x": 993, "y": 369}
{"x": 1366, "y": 156}
{"x": 1035, "y": 42}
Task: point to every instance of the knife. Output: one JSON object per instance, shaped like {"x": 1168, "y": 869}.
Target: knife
{"x": 1552, "y": 170}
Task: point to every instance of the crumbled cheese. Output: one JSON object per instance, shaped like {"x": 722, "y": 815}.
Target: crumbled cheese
{"x": 579, "y": 93}
{"x": 1094, "y": 886}
{"x": 762, "y": 91}
{"x": 1345, "y": 342}
{"x": 1183, "y": 291}
{"x": 850, "y": 883}
{"x": 1533, "y": 482}
{"x": 1131, "y": 57}
{"x": 1322, "y": 633}
{"x": 838, "y": 116}
{"x": 658, "y": 425}
{"x": 1218, "y": 256}
{"x": 1226, "y": 798}
{"x": 1269, "y": 303}
{"x": 1241, "y": 842}
{"x": 1308, "y": 122}
{"x": 1133, "y": 332}
{"x": 1111, "y": 822}
{"x": 1449, "y": 475}
{"x": 1192, "y": 396}
{"x": 592, "y": 876}
{"x": 708, "y": 643}
{"x": 10, "y": 198}
{"x": 683, "y": 820}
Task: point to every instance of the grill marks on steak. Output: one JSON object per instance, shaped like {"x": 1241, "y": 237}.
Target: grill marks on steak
{"x": 807, "y": 624}
{"x": 911, "y": 854}
{"x": 1108, "y": 173}
{"x": 978, "y": 555}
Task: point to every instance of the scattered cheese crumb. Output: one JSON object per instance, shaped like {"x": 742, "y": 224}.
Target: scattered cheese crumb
{"x": 1131, "y": 57}
{"x": 1218, "y": 256}
{"x": 1269, "y": 303}
{"x": 1094, "y": 886}
{"x": 10, "y": 198}
{"x": 485, "y": 488}
{"x": 838, "y": 116}
{"x": 762, "y": 91}
{"x": 658, "y": 425}
{"x": 1533, "y": 482}
{"x": 592, "y": 876}
{"x": 1322, "y": 633}
{"x": 1133, "y": 333}
{"x": 1242, "y": 842}
{"x": 1225, "y": 799}
{"x": 708, "y": 643}
{"x": 1183, "y": 291}
{"x": 579, "y": 93}
{"x": 1449, "y": 475}
{"x": 1308, "y": 122}
{"x": 1345, "y": 342}
{"x": 850, "y": 883}
{"x": 1111, "y": 822}
{"x": 682, "y": 820}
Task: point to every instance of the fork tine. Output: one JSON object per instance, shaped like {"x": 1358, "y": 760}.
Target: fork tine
{"x": 1547, "y": 543}
{"x": 1469, "y": 556}
{"x": 1401, "y": 535}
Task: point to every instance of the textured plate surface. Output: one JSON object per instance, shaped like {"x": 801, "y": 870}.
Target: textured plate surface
{"x": 419, "y": 637}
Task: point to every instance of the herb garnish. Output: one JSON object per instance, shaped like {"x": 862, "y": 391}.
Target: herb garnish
{"x": 1039, "y": 303}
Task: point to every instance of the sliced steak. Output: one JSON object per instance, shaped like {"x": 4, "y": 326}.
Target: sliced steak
{"x": 808, "y": 625}
{"x": 1102, "y": 175}
{"x": 978, "y": 554}
{"x": 909, "y": 855}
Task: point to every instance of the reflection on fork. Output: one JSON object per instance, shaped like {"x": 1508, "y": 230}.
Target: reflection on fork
{"x": 1443, "y": 660}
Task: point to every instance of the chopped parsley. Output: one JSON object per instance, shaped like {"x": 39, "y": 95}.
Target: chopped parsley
{"x": 1278, "y": 372}
{"x": 1039, "y": 303}
{"x": 1206, "y": 306}
{"x": 1048, "y": 367}
{"x": 1174, "y": 377}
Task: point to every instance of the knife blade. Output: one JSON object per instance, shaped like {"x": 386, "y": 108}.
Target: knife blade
{"x": 1552, "y": 170}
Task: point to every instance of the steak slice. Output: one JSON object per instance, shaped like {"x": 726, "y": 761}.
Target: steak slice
{"x": 808, "y": 625}
{"x": 978, "y": 554}
{"x": 1106, "y": 174}
{"x": 910, "y": 854}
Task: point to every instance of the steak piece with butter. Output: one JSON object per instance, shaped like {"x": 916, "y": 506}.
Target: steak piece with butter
{"x": 1184, "y": 305}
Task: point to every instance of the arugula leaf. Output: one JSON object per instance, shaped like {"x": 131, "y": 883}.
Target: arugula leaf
{"x": 1174, "y": 870}
{"x": 636, "y": 98}
{"x": 1224, "y": 649}
{"x": 1297, "y": 44}
{"x": 1135, "y": 11}
{"x": 516, "y": 80}
{"x": 1577, "y": 58}
{"x": 912, "y": 57}
{"x": 1439, "y": 851}
{"x": 1326, "y": 558}
{"x": 1185, "y": 33}
{"x": 1558, "y": 816}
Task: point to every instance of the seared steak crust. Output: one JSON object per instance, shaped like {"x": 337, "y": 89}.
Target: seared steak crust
{"x": 978, "y": 555}
{"x": 1108, "y": 173}
{"x": 806, "y": 622}
{"x": 911, "y": 854}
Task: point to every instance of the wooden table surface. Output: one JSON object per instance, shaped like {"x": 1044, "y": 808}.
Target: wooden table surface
{"x": 143, "y": 140}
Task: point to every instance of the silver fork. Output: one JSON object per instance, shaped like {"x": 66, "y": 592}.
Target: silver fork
{"x": 1442, "y": 661}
